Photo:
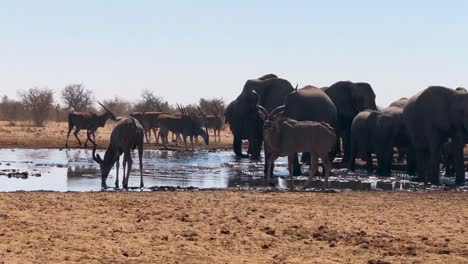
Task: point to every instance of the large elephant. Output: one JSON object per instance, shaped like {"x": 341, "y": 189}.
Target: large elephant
{"x": 432, "y": 117}
{"x": 242, "y": 116}
{"x": 349, "y": 98}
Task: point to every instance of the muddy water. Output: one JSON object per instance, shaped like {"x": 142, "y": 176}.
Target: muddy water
{"x": 74, "y": 170}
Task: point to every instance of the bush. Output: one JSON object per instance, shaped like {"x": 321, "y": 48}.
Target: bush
{"x": 12, "y": 110}
{"x": 38, "y": 102}
{"x": 214, "y": 106}
{"x": 150, "y": 102}
{"x": 118, "y": 106}
{"x": 76, "y": 97}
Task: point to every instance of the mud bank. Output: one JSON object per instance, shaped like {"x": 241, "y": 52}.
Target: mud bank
{"x": 234, "y": 227}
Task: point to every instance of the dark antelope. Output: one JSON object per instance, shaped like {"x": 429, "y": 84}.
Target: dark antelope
{"x": 149, "y": 121}
{"x": 89, "y": 121}
{"x": 214, "y": 122}
{"x": 126, "y": 136}
{"x": 186, "y": 125}
{"x": 285, "y": 137}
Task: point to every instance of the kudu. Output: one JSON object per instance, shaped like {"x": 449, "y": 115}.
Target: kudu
{"x": 285, "y": 137}
{"x": 127, "y": 135}
{"x": 89, "y": 121}
{"x": 214, "y": 122}
{"x": 186, "y": 125}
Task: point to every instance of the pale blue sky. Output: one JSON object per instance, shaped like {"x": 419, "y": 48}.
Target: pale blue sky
{"x": 184, "y": 50}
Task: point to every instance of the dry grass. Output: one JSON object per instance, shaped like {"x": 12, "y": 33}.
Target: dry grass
{"x": 53, "y": 135}
{"x": 234, "y": 227}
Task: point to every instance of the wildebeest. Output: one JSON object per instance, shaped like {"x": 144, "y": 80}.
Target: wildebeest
{"x": 89, "y": 121}
{"x": 126, "y": 136}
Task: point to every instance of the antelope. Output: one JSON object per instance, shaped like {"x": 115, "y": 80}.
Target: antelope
{"x": 150, "y": 122}
{"x": 126, "y": 135}
{"x": 285, "y": 137}
{"x": 188, "y": 125}
{"x": 214, "y": 122}
{"x": 89, "y": 121}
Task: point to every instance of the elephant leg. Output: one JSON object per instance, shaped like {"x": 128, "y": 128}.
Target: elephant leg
{"x": 352, "y": 156}
{"x": 434, "y": 160}
{"x": 297, "y": 167}
{"x": 256, "y": 149}
{"x": 411, "y": 161}
{"x": 369, "y": 164}
{"x": 422, "y": 156}
{"x": 346, "y": 145}
{"x": 458, "y": 158}
{"x": 237, "y": 147}
{"x": 337, "y": 149}
{"x": 305, "y": 158}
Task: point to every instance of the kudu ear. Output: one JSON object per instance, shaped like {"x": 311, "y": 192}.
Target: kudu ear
{"x": 262, "y": 115}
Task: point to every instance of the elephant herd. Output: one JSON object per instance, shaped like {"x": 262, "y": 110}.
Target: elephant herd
{"x": 425, "y": 128}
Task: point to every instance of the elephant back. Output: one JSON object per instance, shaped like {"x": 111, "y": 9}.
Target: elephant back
{"x": 310, "y": 104}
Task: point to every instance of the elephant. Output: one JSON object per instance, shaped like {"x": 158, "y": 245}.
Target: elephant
{"x": 377, "y": 132}
{"x": 447, "y": 149}
{"x": 432, "y": 117}
{"x": 403, "y": 149}
{"x": 349, "y": 98}
{"x": 360, "y": 140}
{"x": 390, "y": 131}
{"x": 242, "y": 117}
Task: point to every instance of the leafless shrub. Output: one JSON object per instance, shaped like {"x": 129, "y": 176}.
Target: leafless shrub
{"x": 76, "y": 97}
{"x": 214, "y": 106}
{"x": 38, "y": 102}
{"x": 118, "y": 106}
{"x": 12, "y": 110}
{"x": 150, "y": 102}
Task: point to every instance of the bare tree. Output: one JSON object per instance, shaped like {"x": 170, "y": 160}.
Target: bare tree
{"x": 214, "y": 106}
{"x": 118, "y": 106}
{"x": 76, "y": 97}
{"x": 38, "y": 102}
{"x": 150, "y": 102}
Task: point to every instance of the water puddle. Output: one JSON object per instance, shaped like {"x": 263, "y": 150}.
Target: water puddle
{"x": 74, "y": 170}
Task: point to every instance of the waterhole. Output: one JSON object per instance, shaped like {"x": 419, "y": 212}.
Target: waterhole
{"x": 75, "y": 170}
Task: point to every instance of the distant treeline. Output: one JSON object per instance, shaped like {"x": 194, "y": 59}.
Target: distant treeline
{"x": 40, "y": 105}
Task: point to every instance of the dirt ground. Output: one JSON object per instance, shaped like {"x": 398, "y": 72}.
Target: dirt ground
{"x": 234, "y": 227}
{"x": 53, "y": 135}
